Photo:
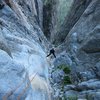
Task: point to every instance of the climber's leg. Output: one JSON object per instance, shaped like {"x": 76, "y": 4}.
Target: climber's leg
{"x": 54, "y": 55}
{"x": 48, "y": 54}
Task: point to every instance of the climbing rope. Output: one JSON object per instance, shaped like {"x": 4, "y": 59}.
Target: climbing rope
{"x": 28, "y": 85}
{"x": 12, "y": 91}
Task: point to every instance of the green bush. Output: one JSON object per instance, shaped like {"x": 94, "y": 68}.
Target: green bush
{"x": 66, "y": 80}
{"x": 65, "y": 68}
{"x": 69, "y": 98}
{"x": 72, "y": 98}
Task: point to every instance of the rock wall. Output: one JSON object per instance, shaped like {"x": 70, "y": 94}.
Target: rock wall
{"x": 60, "y": 11}
{"x": 75, "y": 73}
{"x": 23, "y": 63}
{"x": 83, "y": 39}
{"x": 54, "y": 15}
{"x": 81, "y": 55}
{"x": 77, "y": 9}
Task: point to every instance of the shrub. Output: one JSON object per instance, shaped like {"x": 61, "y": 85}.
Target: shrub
{"x": 66, "y": 80}
{"x": 72, "y": 98}
{"x": 65, "y": 68}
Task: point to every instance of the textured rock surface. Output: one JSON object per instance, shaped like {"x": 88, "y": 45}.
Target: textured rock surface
{"x": 75, "y": 73}
{"x": 55, "y": 12}
{"x": 77, "y": 9}
{"x": 23, "y": 64}
{"x": 13, "y": 79}
{"x": 82, "y": 46}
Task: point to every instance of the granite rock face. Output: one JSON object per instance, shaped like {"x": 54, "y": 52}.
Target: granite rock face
{"x": 83, "y": 41}
{"x": 76, "y": 10}
{"x": 23, "y": 63}
{"x": 13, "y": 79}
{"x": 54, "y": 14}
{"x": 82, "y": 46}
{"x": 75, "y": 73}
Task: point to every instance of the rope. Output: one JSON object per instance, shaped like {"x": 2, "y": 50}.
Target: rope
{"x": 12, "y": 91}
{"x": 26, "y": 88}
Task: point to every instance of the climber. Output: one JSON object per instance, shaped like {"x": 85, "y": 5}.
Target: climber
{"x": 1, "y": 6}
{"x": 52, "y": 51}
{"x": 40, "y": 40}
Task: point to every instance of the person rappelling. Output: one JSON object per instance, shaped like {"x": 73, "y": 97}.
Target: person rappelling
{"x": 1, "y": 6}
{"x": 52, "y": 52}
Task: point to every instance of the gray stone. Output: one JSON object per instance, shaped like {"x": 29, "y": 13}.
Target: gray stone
{"x": 13, "y": 79}
{"x": 97, "y": 69}
{"x": 80, "y": 38}
{"x": 71, "y": 94}
{"x": 25, "y": 75}
{"x": 92, "y": 45}
{"x": 69, "y": 87}
{"x": 84, "y": 76}
{"x": 57, "y": 75}
{"x": 63, "y": 58}
{"x": 92, "y": 84}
